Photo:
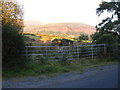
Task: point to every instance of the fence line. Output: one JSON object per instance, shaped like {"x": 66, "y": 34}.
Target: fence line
{"x": 55, "y": 53}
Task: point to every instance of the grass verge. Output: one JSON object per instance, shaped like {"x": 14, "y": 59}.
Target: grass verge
{"x": 52, "y": 68}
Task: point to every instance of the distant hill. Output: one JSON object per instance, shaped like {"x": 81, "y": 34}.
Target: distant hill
{"x": 32, "y": 26}
{"x": 66, "y": 28}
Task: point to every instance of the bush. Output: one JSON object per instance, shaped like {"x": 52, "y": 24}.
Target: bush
{"x": 106, "y": 39}
{"x": 12, "y": 38}
{"x": 42, "y": 60}
{"x": 64, "y": 60}
{"x": 83, "y": 36}
{"x": 12, "y": 44}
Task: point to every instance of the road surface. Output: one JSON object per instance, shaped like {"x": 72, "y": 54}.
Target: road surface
{"x": 105, "y": 79}
{"x": 100, "y": 77}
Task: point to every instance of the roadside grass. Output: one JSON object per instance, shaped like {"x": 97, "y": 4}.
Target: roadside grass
{"x": 52, "y": 68}
{"x": 84, "y": 64}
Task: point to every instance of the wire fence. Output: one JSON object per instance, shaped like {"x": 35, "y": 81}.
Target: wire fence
{"x": 55, "y": 53}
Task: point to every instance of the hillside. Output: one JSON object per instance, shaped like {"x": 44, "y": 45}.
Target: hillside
{"x": 65, "y": 28}
{"x": 31, "y": 26}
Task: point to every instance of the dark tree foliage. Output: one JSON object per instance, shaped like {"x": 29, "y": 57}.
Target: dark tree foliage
{"x": 83, "y": 36}
{"x": 108, "y": 31}
{"x": 12, "y": 38}
{"x": 104, "y": 37}
{"x": 109, "y": 23}
{"x": 112, "y": 23}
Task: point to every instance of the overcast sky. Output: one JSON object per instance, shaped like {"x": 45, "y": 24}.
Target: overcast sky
{"x": 55, "y": 11}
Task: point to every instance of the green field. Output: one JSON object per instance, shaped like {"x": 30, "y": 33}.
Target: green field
{"x": 33, "y": 37}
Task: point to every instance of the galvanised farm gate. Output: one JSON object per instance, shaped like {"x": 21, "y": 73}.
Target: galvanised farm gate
{"x": 55, "y": 53}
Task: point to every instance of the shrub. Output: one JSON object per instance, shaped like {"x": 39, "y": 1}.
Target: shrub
{"x": 83, "y": 36}
{"x": 12, "y": 38}
{"x": 12, "y": 44}
{"x": 42, "y": 60}
{"x": 64, "y": 60}
{"x": 108, "y": 38}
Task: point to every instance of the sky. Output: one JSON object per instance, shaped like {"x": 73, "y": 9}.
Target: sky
{"x": 57, "y": 11}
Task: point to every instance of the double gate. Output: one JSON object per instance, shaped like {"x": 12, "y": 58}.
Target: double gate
{"x": 55, "y": 53}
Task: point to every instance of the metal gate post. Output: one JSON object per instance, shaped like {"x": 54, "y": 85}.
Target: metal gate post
{"x": 78, "y": 52}
{"x": 104, "y": 49}
{"x": 92, "y": 51}
{"x": 26, "y": 54}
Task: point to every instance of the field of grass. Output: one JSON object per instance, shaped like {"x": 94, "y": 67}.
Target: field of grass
{"x": 33, "y": 36}
{"x": 44, "y": 39}
{"x": 51, "y": 68}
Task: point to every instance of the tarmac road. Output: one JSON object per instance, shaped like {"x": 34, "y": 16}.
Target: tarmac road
{"x": 100, "y": 77}
{"x": 105, "y": 79}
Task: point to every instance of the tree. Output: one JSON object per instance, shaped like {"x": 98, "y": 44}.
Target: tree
{"x": 83, "y": 36}
{"x": 95, "y": 36}
{"x": 112, "y": 23}
{"x": 12, "y": 38}
{"x": 109, "y": 28}
{"x": 11, "y": 13}
{"x": 104, "y": 37}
